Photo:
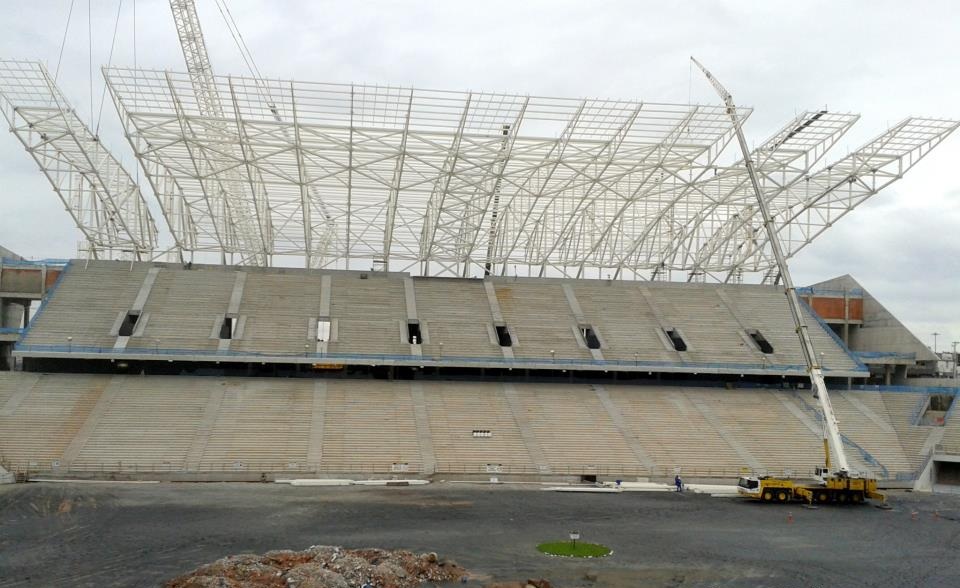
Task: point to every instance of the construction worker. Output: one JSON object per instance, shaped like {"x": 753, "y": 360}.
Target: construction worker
{"x": 678, "y": 483}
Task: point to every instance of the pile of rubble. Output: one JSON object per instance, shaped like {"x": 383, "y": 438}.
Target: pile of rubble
{"x": 322, "y": 567}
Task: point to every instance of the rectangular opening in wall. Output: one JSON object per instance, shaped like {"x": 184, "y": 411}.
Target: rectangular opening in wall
{"x": 482, "y": 433}
{"x": 678, "y": 343}
{"x": 323, "y": 330}
{"x": 129, "y": 323}
{"x": 760, "y": 341}
{"x": 413, "y": 333}
{"x": 503, "y": 336}
{"x": 226, "y": 329}
{"x": 589, "y": 337}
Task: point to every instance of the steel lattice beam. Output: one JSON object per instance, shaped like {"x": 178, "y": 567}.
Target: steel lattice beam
{"x": 97, "y": 192}
{"x": 451, "y": 183}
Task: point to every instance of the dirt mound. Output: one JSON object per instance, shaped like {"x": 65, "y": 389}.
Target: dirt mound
{"x": 322, "y": 566}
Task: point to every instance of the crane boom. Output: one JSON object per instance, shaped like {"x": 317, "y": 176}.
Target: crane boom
{"x": 814, "y": 369}
{"x": 195, "y": 54}
{"x": 242, "y": 211}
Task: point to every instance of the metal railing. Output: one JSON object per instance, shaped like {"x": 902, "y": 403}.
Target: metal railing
{"x": 373, "y": 358}
{"x": 279, "y": 469}
{"x": 951, "y": 390}
{"x": 829, "y": 292}
{"x": 8, "y": 262}
{"x": 885, "y": 355}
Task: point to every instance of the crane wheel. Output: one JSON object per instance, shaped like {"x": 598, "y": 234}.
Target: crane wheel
{"x": 823, "y": 497}
{"x": 857, "y": 498}
{"x": 768, "y": 496}
{"x": 782, "y": 496}
{"x": 842, "y": 498}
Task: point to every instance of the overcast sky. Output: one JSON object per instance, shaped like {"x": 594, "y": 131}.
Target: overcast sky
{"x": 884, "y": 60}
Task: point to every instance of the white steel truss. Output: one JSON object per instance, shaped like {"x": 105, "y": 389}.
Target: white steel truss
{"x": 97, "y": 192}
{"x": 462, "y": 184}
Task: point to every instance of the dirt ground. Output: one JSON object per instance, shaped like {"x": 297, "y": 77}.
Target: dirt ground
{"x": 142, "y": 534}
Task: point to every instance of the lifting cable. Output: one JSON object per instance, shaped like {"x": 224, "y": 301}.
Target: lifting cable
{"x": 113, "y": 43}
{"x": 90, "y": 54}
{"x": 63, "y": 43}
{"x": 244, "y": 50}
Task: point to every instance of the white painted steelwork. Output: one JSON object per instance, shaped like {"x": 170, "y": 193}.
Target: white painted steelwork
{"x": 464, "y": 183}
{"x": 97, "y": 192}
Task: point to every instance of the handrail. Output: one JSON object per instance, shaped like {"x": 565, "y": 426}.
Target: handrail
{"x": 9, "y": 262}
{"x": 277, "y": 468}
{"x": 333, "y": 357}
{"x": 829, "y": 292}
{"x": 885, "y": 354}
{"x": 951, "y": 390}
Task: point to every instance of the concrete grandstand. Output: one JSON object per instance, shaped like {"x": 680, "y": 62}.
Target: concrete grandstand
{"x": 144, "y": 369}
{"x": 513, "y": 313}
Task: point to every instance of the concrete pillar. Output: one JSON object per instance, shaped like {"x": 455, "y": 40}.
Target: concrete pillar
{"x": 886, "y": 374}
{"x": 6, "y": 357}
{"x": 14, "y": 314}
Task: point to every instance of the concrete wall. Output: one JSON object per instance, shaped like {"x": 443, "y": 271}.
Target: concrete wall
{"x": 881, "y": 331}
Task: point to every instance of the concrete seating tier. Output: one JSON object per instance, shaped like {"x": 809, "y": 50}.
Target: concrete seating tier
{"x": 711, "y": 332}
{"x": 183, "y": 307}
{"x": 764, "y": 428}
{"x": 673, "y": 432}
{"x": 205, "y": 424}
{"x": 573, "y": 430}
{"x": 864, "y": 418}
{"x": 11, "y": 382}
{"x": 150, "y": 423}
{"x": 278, "y": 308}
{"x": 37, "y": 432}
{"x": 456, "y": 313}
{"x": 951, "y": 430}
{"x": 260, "y": 423}
{"x": 369, "y": 426}
{"x": 903, "y": 408}
{"x": 539, "y": 315}
{"x": 456, "y": 410}
{"x": 370, "y": 312}
{"x": 624, "y": 319}
{"x": 767, "y": 311}
{"x": 86, "y": 304}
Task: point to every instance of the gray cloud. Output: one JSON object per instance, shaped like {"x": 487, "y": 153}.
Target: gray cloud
{"x": 885, "y": 60}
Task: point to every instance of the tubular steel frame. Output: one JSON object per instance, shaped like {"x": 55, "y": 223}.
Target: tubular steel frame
{"x": 466, "y": 183}
{"x": 104, "y": 201}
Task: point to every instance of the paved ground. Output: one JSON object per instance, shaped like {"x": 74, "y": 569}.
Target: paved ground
{"x": 140, "y": 535}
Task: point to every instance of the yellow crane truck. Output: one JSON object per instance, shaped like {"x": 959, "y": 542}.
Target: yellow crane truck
{"x": 841, "y": 486}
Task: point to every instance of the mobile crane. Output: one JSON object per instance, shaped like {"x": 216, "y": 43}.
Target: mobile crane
{"x": 841, "y": 485}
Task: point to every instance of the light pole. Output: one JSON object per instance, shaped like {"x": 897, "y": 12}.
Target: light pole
{"x": 935, "y": 342}
{"x": 955, "y": 343}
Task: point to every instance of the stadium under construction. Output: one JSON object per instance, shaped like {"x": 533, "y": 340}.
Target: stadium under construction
{"x": 364, "y": 280}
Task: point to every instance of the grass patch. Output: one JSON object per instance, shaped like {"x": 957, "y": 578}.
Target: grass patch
{"x": 567, "y": 549}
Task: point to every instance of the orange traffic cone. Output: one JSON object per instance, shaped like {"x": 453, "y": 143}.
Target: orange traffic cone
{"x": 913, "y": 515}
{"x": 789, "y": 517}
{"x": 936, "y": 515}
